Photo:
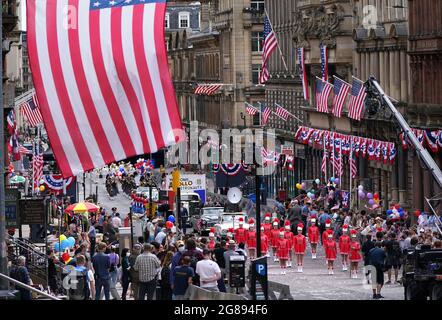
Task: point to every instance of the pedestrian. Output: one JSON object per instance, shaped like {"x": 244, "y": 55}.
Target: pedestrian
{"x": 125, "y": 272}
{"x": 299, "y": 246}
{"x": 209, "y": 272}
{"x": 327, "y": 226}
{"x": 134, "y": 274}
{"x": 92, "y": 234}
{"x": 182, "y": 276}
{"x": 115, "y": 264}
{"x": 101, "y": 263}
{"x": 344, "y": 247}
{"x": 52, "y": 271}
{"x": 330, "y": 251}
{"x": 282, "y": 251}
{"x": 288, "y": 234}
{"x": 355, "y": 254}
{"x": 195, "y": 256}
{"x": 313, "y": 235}
{"x": 394, "y": 256}
{"x": 147, "y": 264}
{"x": 230, "y": 252}
{"x": 251, "y": 239}
{"x": 274, "y": 240}
{"x": 21, "y": 273}
{"x": 376, "y": 258}
{"x": 81, "y": 291}
{"x": 212, "y": 242}
{"x": 166, "y": 286}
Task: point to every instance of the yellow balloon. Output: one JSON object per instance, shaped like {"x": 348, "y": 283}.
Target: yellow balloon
{"x": 63, "y": 237}
{"x": 42, "y": 188}
{"x": 299, "y": 186}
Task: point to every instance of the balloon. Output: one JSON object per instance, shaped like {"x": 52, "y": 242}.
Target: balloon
{"x": 318, "y": 181}
{"x": 361, "y": 188}
{"x": 376, "y": 196}
{"x": 64, "y": 245}
{"x": 369, "y": 195}
{"x": 62, "y": 237}
{"x": 65, "y": 256}
{"x": 169, "y": 225}
{"x": 309, "y": 195}
{"x": 401, "y": 214}
{"x": 417, "y": 213}
{"x": 303, "y": 185}
{"x": 332, "y": 179}
{"x": 171, "y": 219}
{"x": 71, "y": 241}
{"x": 371, "y": 202}
{"x": 42, "y": 181}
{"x": 313, "y": 196}
{"x": 336, "y": 181}
{"x": 361, "y": 194}
{"x": 42, "y": 188}
{"x": 298, "y": 186}
{"x": 389, "y": 212}
{"x": 57, "y": 246}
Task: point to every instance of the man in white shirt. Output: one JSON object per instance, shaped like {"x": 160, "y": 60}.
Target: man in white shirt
{"x": 209, "y": 272}
{"x": 116, "y": 221}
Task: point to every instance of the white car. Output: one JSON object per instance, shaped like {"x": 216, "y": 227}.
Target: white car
{"x": 230, "y": 220}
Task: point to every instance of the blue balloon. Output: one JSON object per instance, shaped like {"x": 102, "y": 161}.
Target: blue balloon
{"x": 71, "y": 241}
{"x": 332, "y": 179}
{"x": 401, "y": 214}
{"x": 171, "y": 219}
{"x": 389, "y": 212}
{"x": 64, "y": 245}
{"x": 57, "y": 246}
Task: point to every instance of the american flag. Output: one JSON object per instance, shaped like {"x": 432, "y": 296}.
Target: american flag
{"x": 31, "y": 111}
{"x": 265, "y": 114}
{"x": 24, "y": 150}
{"x": 37, "y": 168}
{"x": 303, "y": 72}
{"x": 251, "y": 110}
{"x": 341, "y": 89}
{"x": 324, "y": 62}
{"x": 282, "y": 113}
{"x": 12, "y": 126}
{"x": 358, "y": 95}
{"x": 270, "y": 44}
{"x": 323, "y": 90}
{"x": 207, "y": 89}
{"x": 353, "y": 166}
{"x": 13, "y": 147}
{"x": 102, "y": 79}
{"x": 324, "y": 162}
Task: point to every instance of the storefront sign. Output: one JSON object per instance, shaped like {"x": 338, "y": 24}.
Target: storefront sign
{"x": 32, "y": 211}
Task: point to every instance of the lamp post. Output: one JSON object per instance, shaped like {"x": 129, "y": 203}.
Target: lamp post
{"x": 243, "y": 117}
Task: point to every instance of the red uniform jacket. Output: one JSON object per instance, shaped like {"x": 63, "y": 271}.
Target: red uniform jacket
{"x": 274, "y": 238}
{"x": 290, "y": 237}
{"x": 264, "y": 244}
{"x": 283, "y": 248}
{"x": 251, "y": 239}
{"x": 241, "y": 235}
{"x": 344, "y": 244}
{"x": 268, "y": 230}
{"x": 355, "y": 251}
{"x": 313, "y": 234}
{"x": 330, "y": 249}
{"x": 211, "y": 245}
{"x": 324, "y": 236}
{"x": 300, "y": 244}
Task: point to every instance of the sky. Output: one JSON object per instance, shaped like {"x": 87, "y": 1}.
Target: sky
{"x": 23, "y": 15}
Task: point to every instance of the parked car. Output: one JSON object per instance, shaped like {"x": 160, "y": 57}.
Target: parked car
{"x": 209, "y": 217}
{"x": 230, "y": 220}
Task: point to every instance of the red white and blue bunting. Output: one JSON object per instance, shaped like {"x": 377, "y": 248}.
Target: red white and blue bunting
{"x": 55, "y": 182}
{"x": 230, "y": 169}
{"x": 431, "y": 139}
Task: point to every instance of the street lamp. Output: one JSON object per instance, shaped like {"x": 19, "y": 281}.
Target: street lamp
{"x": 243, "y": 117}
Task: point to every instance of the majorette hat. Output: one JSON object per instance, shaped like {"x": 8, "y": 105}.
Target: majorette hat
{"x": 241, "y": 220}
{"x": 212, "y": 232}
{"x": 353, "y": 233}
{"x": 328, "y": 223}
{"x": 262, "y": 228}
{"x": 300, "y": 226}
{"x": 287, "y": 225}
{"x": 231, "y": 242}
{"x": 330, "y": 233}
{"x": 276, "y": 222}
{"x": 313, "y": 218}
{"x": 345, "y": 228}
{"x": 267, "y": 216}
{"x": 281, "y": 232}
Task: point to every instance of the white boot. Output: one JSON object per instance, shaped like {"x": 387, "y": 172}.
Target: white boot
{"x": 356, "y": 274}
{"x": 314, "y": 255}
{"x": 329, "y": 272}
{"x": 282, "y": 271}
{"x": 289, "y": 264}
{"x": 301, "y": 269}
{"x": 332, "y": 271}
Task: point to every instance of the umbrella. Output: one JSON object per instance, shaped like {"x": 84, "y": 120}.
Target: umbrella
{"x": 17, "y": 179}
{"x": 82, "y": 207}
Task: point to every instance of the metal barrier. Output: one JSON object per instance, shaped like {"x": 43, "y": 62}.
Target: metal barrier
{"x": 283, "y": 289}
{"x": 25, "y": 286}
{"x": 197, "y": 293}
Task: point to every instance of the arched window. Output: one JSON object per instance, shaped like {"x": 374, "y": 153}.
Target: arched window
{"x": 184, "y": 20}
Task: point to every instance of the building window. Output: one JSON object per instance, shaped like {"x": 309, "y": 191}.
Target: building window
{"x": 256, "y": 72}
{"x": 257, "y": 5}
{"x": 167, "y": 21}
{"x": 257, "y": 41}
{"x": 184, "y": 20}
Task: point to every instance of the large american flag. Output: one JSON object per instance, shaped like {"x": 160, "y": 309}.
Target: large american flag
{"x": 270, "y": 44}
{"x": 353, "y": 166}
{"x": 37, "y": 167}
{"x": 323, "y": 90}
{"x": 303, "y": 72}
{"x": 358, "y": 95}
{"x": 265, "y": 115}
{"x": 341, "y": 89}
{"x": 324, "y": 62}
{"x": 101, "y": 74}
{"x": 207, "y": 89}
{"x": 31, "y": 111}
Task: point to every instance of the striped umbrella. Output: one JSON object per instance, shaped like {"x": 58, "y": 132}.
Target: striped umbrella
{"x": 82, "y": 207}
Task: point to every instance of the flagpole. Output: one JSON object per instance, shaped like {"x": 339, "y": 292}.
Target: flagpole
{"x": 325, "y": 155}
{"x": 277, "y": 42}
{"x": 351, "y": 178}
{"x": 33, "y": 168}
{"x": 278, "y": 105}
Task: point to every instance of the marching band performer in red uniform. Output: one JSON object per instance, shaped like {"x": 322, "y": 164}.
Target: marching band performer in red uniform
{"x": 241, "y": 233}
{"x": 267, "y": 226}
{"x": 355, "y": 254}
{"x": 264, "y": 243}
{"x": 313, "y": 235}
{"x": 300, "y": 245}
{"x": 344, "y": 247}
{"x": 283, "y": 248}
{"x": 274, "y": 239}
{"x": 212, "y": 242}
{"x": 251, "y": 239}
{"x": 330, "y": 251}
{"x": 327, "y": 228}
{"x": 290, "y": 237}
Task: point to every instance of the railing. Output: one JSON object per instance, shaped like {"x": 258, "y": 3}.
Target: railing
{"x": 27, "y": 287}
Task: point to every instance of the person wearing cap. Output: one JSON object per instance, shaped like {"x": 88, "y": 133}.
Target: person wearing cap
{"x": 282, "y": 251}
{"x": 264, "y": 243}
{"x": 229, "y": 236}
{"x": 251, "y": 239}
{"x": 212, "y": 242}
{"x": 288, "y": 234}
{"x": 328, "y": 224}
{"x": 300, "y": 245}
{"x": 241, "y": 232}
{"x": 313, "y": 235}
{"x": 274, "y": 240}
{"x": 330, "y": 250}
{"x": 267, "y": 226}
{"x": 355, "y": 254}
{"x": 344, "y": 247}
{"x": 231, "y": 251}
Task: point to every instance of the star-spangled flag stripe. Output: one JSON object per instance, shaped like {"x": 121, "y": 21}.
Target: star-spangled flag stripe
{"x": 207, "y": 89}
{"x": 269, "y": 45}
{"x": 358, "y": 95}
{"x": 266, "y": 113}
{"x": 251, "y": 110}
{"x": 303, "y": 72}
{"x": 324, "y": 62}
{"x": 282, "y": 113}
{"x": 341, "y": 89}
{"x": 103, "y": 81}
{"x": 31, "y": 111}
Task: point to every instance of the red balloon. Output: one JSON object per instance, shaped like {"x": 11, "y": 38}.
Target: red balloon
{"x": 376, "y": 196}
{"x": 169, "y": 225}
{"x": 65, "y": 256}
{"x": 417, "y": 213}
